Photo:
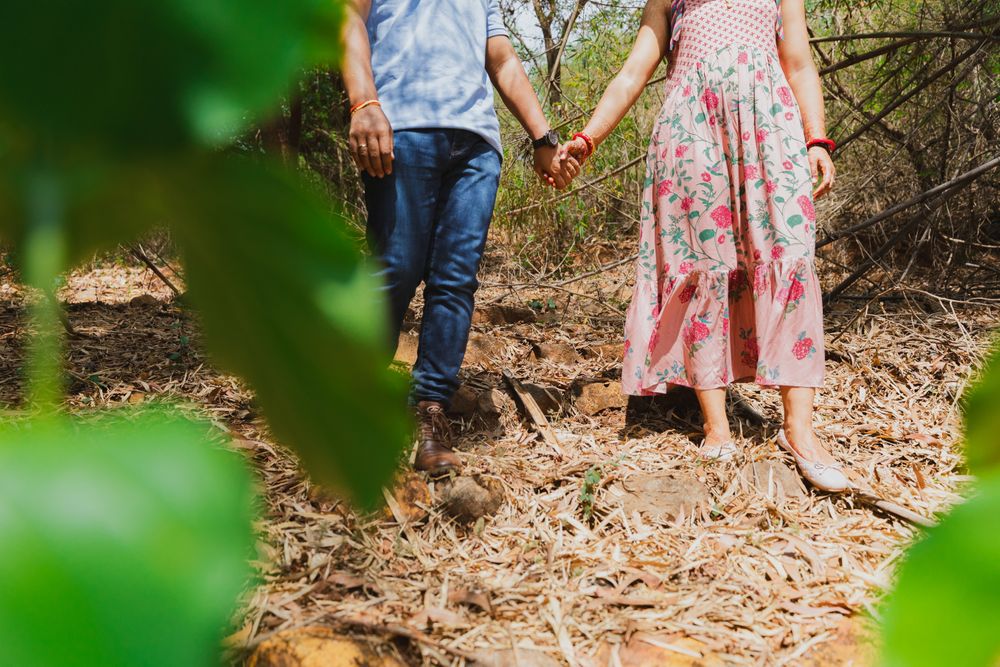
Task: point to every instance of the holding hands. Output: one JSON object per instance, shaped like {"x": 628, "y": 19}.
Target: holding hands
{"x": 559, "y": 165}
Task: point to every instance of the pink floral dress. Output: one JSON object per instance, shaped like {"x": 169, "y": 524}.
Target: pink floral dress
{"x": 726, "y": 287}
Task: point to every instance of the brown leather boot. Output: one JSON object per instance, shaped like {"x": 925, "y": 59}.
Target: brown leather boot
{"x": 434, "y": 453}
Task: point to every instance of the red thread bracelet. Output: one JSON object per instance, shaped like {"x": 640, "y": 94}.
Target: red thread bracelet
{"x": 829, "y": 144}
{"x": 587, "y": 140}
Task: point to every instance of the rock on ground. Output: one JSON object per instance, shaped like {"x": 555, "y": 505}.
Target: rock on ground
{"x": 662, "y": 497}
{"x": 561, "y": 353}
{"x": 646, "y": 650}
{"x": 406, "y": 350}
{"x": 500, "y": 314}
{"x": 317, "y": 646}
{"x": 413, "y": 497}
{"x": 469, "y": 498}
{"x": 547, "y": 398}
{"x": 774, "y": 479}
{"x": 464, "y": 402}
{"x": 598, "y": 396}
{"x": 525, "y": 657}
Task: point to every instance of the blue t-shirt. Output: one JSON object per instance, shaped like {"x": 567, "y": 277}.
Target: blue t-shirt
{"x": 429, "y": 62}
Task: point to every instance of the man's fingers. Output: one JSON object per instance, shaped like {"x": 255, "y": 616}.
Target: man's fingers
{"x": 374, "y": 156}
{"x": 361, "y": 156}
{"x": 385, "y": 153}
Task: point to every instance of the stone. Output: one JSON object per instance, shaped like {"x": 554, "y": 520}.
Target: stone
{"x": 852, "y": 644}
{"x": 560, "y": 353}
{"x": 598, "y": 396}
{"x": 501, "y": 314}
{"x": 144, "y": 300}
{"x": 607, "y": 351}
{"x": 470, "y": 498}
{"x": 774, "y": 479}
{"x": 662, "y": 497}
{"x": 648, "y": 650}
{"x": 548, "y": 398}
{"x": 482, "y": 349}
{"x": 413, "y": 497}
{"x": 524, "y": 657}
{"x": 494, "y": 403}
{"x": 465, "y": 402}
{"x": 406, "y": 350}
{"x": 319, "y": 646}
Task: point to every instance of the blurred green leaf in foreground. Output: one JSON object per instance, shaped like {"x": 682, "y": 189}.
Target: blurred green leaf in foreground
{"x": 945, "y": 609}
{"x": 120, "y": 120}
{"x": 123, "y": 541}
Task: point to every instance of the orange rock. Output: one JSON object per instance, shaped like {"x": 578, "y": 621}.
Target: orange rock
{"x": 650, "y": 650}
{"x": 318, "y": 646}
{"x": 851, "y": 645}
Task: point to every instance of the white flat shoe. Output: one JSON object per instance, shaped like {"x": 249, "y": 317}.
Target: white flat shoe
{"x": 724, "y": 452}
{"x": 822, "y": 476}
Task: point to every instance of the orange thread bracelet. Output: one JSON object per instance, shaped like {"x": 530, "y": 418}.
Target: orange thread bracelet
{"x": 367, "y": 103}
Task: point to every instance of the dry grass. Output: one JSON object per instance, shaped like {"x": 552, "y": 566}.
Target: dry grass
{"x": 768, "y": 575}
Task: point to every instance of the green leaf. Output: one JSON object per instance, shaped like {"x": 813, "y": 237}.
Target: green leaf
{"x": 944, "y": 610}
{"x": 287, "y": 303}
{"x": 794, "y": 220}
{"x": 706, "y": 234}
{"x": 700, "y": 118}
{"x": 125, "y": 542}
{"x": 776, "y": 108}
{"x": 143, "y": 78}
{"x": 982, "y": 420}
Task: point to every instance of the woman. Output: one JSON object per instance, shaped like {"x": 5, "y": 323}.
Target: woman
{"x": 726, "y": 288}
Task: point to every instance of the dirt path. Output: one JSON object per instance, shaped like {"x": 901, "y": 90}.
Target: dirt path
{"x": 614, "y": 545}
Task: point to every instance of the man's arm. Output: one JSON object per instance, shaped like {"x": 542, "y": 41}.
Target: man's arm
{"x": 509, "y": 78}
{"x": 370, "y": 137}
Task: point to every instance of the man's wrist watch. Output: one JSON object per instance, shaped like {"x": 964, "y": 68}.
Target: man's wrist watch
{"x": 550, "y": 139}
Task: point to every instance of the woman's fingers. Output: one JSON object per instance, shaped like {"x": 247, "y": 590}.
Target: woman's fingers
{"x": 826, "y": 167}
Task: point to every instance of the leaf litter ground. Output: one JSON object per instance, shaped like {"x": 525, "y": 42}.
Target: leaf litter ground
{"x": 614, "y": 546}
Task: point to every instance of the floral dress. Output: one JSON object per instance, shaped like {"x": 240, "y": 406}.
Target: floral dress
{"x": 726, "y": 287}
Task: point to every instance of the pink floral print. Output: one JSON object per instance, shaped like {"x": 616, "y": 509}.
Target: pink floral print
{"x": 727, "y": 203}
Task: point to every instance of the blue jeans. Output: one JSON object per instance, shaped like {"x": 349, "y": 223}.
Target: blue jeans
{"x": 427, "y": 221}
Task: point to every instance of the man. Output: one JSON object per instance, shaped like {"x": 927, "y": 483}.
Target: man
{"x": 426, "y": 138}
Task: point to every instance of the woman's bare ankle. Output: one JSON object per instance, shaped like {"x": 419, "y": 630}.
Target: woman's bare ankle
{"x": 717, "y": 434}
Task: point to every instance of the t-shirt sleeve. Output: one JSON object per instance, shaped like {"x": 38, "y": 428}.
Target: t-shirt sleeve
{"x": 494, "y": 20}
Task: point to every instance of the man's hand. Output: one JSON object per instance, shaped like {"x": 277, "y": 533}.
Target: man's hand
{"x": 370, "y": 141}
{"x": 552, "y": 169}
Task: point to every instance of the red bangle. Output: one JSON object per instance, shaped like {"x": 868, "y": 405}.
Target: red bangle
{"x": 367, "y": 103}
{"x": 829, "y": 144}
{"x": 587, "y": 140}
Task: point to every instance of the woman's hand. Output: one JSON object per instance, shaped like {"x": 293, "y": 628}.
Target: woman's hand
{"x": 821, "y": 165}
{"x": 576, "y": 149}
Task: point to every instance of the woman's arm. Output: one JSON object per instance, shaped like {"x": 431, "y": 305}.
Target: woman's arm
{"x": 797, "y": 63}
{"x": 648, "y": 50}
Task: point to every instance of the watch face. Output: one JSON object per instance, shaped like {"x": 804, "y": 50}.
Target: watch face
{"x": 552, "y": 138}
